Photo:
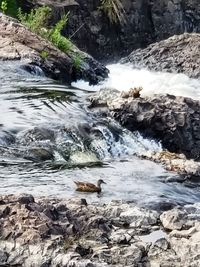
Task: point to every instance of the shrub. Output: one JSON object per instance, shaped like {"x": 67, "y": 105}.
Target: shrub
{"x": 37, "y": 21}
{"x": 77, "y": 60}
{"x": 55, "y": 36}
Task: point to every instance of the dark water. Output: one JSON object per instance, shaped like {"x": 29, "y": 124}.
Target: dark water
{"x": 48, "y": 139}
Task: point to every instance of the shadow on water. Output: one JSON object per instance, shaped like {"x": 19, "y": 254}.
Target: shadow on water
{"x": 48, "y": 139}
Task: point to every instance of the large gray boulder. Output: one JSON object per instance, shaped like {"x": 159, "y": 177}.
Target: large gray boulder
{"x": 19, "y": 43}
{"x": 178, "y": 54}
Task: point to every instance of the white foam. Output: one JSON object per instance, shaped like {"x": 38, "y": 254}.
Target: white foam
{"x": 123, "y": 77}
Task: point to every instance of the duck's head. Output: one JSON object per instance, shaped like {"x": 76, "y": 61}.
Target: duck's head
{"x": 100, "y": 181}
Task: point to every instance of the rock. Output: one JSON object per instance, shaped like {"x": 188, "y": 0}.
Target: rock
{"x": 36, "y": 233}
{"x": 127, "y": 256}
{"x": 179, "y": 54}
{"x": 140, "y": 23}
{"x": 19, "y": 43}
{"x": 139, "y": 217}
{"x": 183, "y": 233}
{"x": 173, "y": 219}
{"x": 174, "y": 120}
{"x": 25, "y": 199}
{"x": 187, "y": 169}
{"x": 158, "y": 247}
{"x": 103, "y": 97}
{"x": 133, "y": 92}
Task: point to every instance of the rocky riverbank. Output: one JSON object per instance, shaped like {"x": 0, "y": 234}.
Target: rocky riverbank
{"x": 54, "y": 232}
{"x": 178, "y": 54}
{"x": 19, "y": 43}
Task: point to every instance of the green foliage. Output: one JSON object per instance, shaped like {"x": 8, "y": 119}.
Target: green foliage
{"x": 37, "y": 21}
{"x": 9, "y": 7}
{"x": 55, "y": 36}
{"x": 44, "y": 54}
{"x": 4, "y": 6}
{"x": 114, "y": 10}
{"x": 77, "y": 60}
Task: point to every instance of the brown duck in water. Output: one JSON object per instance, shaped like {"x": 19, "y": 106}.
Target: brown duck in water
{"x": 88, "y": 187}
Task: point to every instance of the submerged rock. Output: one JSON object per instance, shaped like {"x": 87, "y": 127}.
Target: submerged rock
{"x": 18, "y": 43}
{"x": 179, "y": 54}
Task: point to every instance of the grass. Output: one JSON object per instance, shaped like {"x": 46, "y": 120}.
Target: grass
{"x": 44, "y": 54}
{"x": 114, "y": 10}
{"x": 77, "y": 60}
{"x": 37, "y": 21}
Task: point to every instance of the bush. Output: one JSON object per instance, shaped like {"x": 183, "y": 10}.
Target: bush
{"x": 36, "y": 20}
{"x": 55, "y": 36}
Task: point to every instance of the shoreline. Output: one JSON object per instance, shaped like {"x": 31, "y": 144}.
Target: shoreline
{"x": 53, "y": 232}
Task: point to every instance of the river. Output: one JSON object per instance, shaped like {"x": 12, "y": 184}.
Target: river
{"x": 49, "y": 139}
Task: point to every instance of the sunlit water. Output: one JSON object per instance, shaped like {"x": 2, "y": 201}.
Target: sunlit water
{"x": 77, "y": 137}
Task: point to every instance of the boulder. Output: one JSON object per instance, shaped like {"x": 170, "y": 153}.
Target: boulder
{"x": 19, "y": 43}
{"x": 177, "y": 54}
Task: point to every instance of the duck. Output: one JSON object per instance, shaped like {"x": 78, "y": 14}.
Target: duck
{"x": 89, "y": 187}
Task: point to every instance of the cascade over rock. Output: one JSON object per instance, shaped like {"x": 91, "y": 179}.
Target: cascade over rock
{"x": 174, "y": 120}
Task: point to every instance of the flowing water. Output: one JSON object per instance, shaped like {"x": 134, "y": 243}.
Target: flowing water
{"x": 48, "y": 139}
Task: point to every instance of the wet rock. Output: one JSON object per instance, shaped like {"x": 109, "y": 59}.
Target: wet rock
{"x": 39, "y": 154}
{"x": 19, "y": 43}
{"x": 25, "y": 199}
{"x": 179, "y": 54}
{"x": 174, "y": 120}
{"x": 35, "y": 134}
{"x": 6, "y": 138}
